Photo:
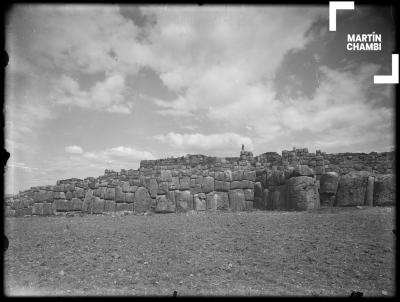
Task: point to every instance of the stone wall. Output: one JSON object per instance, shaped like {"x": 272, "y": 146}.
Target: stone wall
{"x": 295, "y": 180}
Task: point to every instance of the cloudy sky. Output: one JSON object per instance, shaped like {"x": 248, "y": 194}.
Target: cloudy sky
{"x": 96, "y": 87}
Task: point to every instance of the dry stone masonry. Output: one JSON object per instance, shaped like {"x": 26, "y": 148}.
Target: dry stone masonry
{"x": 295, "y": 180}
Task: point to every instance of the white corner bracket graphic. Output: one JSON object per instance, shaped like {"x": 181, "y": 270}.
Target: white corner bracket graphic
{"x": 390, "y": 79}
{"x": 333, "y": 7}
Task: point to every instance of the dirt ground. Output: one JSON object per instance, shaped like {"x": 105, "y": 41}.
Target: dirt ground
{"x": 328, "y": 252}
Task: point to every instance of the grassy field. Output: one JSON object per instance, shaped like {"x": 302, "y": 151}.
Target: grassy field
{"x": 329, "y": 252}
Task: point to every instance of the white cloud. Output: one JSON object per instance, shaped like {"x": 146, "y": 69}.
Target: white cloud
{"x": 127, "y": 152}
{"x": 220, "y": 55}
{"x": 106, "y": 95}
{"x": 83, "y": 38}
{"x": 120, "y": 156}
{"x": 211, "y": 142}
{"x": 74, "y": 149}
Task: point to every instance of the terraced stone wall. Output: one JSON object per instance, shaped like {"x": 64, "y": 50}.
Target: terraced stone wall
{"x": 296, "y": 180}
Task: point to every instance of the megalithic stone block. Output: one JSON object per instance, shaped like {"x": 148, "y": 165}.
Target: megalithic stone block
{"x": 37, "y": 209}
{"x": 385, "y": 190}
{"x": 249, "y": 194}
{"x": 109, "y": 206}
{"x": 119, "y": 194}
{"x": 211, "y": 202}
{"x": 110, "y": 194}
{"x": 352, "y": 189}
{"x": 121, "y": 206}
{"x": 199, "y": 204}
{"x": 237, "y": 200}
{"x": 222, "y": 186}
{"x": 184, "y": 183}
{"x": 302, "y": 193}
{"x": 184, "y": 201}
{"x": 237, "y": 175}
{"x": 164, "y": 205}
{"x": 369, "y": 198}
{"x": 76, "y": 204}
{"x": 208, "y": 184}
{"x": 61, "y": 205}
{"x": 142, "y": 200}
{"x": 328, "y": 188}
{"x": 48, "y": 209}
{"x": 98, "y": 205}
{"x": 249, "y": 175}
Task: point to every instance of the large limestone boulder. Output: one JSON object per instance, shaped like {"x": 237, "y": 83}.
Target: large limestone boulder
{"x": 153, "y": 188}
{"x": 57, "y": 188}
{"x": 142, "y": 200}
{"x": 328, "y": 187}
{"x": 237, "y": 201}
{"x": 9, "y": 212}
{"x": 211, "y": 202}
{"x": 369, "y": 196}
{"x": 226, "y": 175}
{"x": 258, "y": 189}
{"x": 48, "y": 209}
{"x": 121, "y": 206}
{"x": 102, "y": 192}
{"x": 258, "y": 203}
{"x": 109, "y": 206}
{"x": 76, "y": 204}
{"x": 119, "y": 194}
{"x": 62, "y": 205}
{"x": 163, "y": 188}
{"x": 125, "y": 187}
{"x": 384, "y": 190}
{"x": 247, "y": 184}
{"x": 37, "y": 209}
{"x": 129, "y": 197}
{"x": 235, "y": 185}
{"x": 195, "y": 189}
{"x": 352, "y": 189}
{"x": 302, "y": 193}
{"x": 98, "y": 205}
{"x": 87, "y": 205}
{"x": 175, "y": 182}
{"x": 199, "y": 204}
{"x": 166, "y": 175}
{"x": 184, "y": 183}
{"x": 69, "y": 195}
{"x": 132, "y": 189}
{"x": 249, "y": 175}
{"x": 23, "y": 212}
{"x": 218, "y": 201}
{"x": 237, "y": 175}
{"x": 69, "y": 187}
{"x": 164, "y": 205}
{"x": 172, "y": 196}
{"x": 208, "y": 184}
{"x": 17, "y": 204}
{"x": 45, "y": 196}
{"x": 279, "y": 198}
{"x": 260, "y": 196}
{"x": 184, "y": 201}
{"x": 79, "y": 192}
{"x": 275, "y": 178}
{"x": 110, "y": 194}
{"x": 249, "y": 205}
{"x": 248, "y": 194}
{"x": 302, "y": 170}
{"x": 59, "y": 195}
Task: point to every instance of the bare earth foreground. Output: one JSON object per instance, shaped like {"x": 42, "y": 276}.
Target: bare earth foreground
{"x": 330, "y": 252}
